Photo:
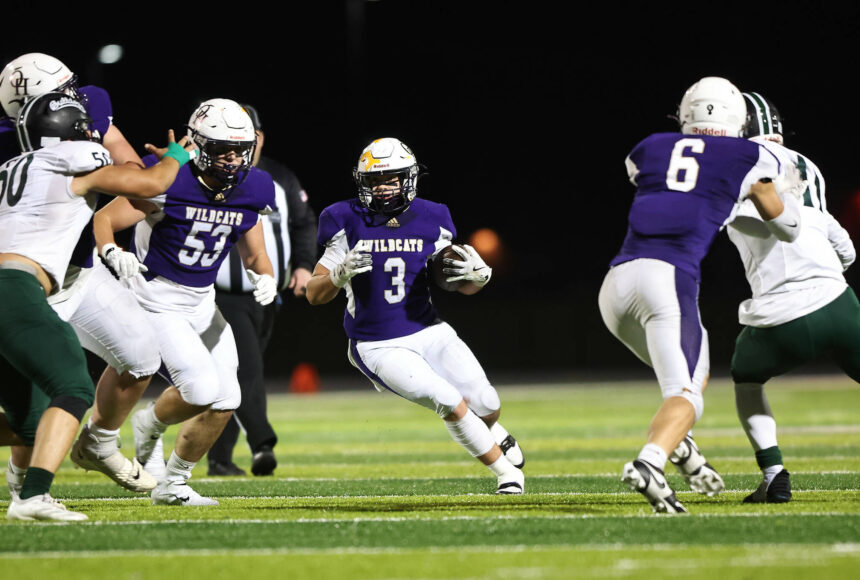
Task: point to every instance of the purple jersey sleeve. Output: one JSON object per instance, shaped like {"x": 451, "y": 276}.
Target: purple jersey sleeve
{"x": 99, "y": 107}
{"x": 393, "y": 299}
{"x": 194, "y": 235}
{"x": 688, "y": 188}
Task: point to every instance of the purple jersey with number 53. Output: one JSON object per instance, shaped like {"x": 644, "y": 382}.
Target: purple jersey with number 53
{"x": 188, "y": 239}
{"x": 687, "y": 190}
{"x": 393, "y": 299}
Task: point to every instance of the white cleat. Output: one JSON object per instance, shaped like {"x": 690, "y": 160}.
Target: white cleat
{"x": 178, "y": 492}
{"x": 155, "y": 465}
{"x": 146, "y": 436}
{"x": 127, "y": 473}
{"x": 643, "y": 477}
{"x": 14, "y": 481}
{"x": 42, "y": 507}
{"x": 698, "y": 473}
{"x": 511, "y": 483}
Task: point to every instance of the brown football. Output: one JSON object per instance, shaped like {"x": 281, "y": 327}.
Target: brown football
{"x": 439, "y": 276}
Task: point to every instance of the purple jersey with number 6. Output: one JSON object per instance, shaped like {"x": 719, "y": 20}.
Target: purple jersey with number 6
{"x": 393, "y": 299}
{"x": 687, "y": 190}
{"x": 188, "y": 239}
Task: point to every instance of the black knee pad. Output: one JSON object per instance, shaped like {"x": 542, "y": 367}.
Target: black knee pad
{"x": 73, "y": 405}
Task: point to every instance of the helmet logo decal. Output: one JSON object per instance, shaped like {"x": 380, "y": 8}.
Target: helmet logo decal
{"x": 64, "y": 102}
{"x": 710, "y": 109}
{"x": 202, "y": 112}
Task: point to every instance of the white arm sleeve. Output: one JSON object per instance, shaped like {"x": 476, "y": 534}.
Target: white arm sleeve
{"x": 786, "y": 226}
{"x": 841, "y": 241}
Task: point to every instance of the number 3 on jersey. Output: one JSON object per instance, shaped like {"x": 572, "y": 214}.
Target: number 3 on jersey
{"x": 199, "y": 246}
{"x": 683, "y": 169}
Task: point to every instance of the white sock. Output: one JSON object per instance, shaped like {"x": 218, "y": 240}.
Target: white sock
{"x": 153, "y": 420}
{"x": 16, "y": 471}
{"x": 502, "y": 466}
{"x": 471, "y": 433}
{"x": 499, "y": 433}
{"x": 755, "y": 415}
{"x": 179, "y": 468}
{"x": 654, "y": 455}
{"x": 770, "y": 472}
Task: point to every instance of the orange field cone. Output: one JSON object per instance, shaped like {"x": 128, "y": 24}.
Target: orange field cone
{"x": 305, "y": 379}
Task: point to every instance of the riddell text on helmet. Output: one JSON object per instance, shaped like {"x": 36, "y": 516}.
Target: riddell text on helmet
{"x": 709, "y": 131}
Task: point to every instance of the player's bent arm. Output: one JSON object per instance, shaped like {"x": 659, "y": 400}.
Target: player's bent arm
{"x": 252, "y": 250}
{"x": 120, "y": 149}
{"x": 119, "y": 214}
{"x": 320, "y": 288}
{"x": 782, "y": 216}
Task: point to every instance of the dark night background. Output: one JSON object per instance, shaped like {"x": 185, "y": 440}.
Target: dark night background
{"x": 522, "y": 111}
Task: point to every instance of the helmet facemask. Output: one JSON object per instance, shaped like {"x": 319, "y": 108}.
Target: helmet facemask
{"x": 387, "y": 192}
{"x": 211, "y": 163}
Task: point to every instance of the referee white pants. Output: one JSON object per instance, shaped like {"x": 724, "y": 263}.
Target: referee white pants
{"x": 652, "y": 308}
{"x": 432, "y": 367}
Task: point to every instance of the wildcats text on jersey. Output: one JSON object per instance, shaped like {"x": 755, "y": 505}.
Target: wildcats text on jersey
{"x": 218, "y": 216}
{"x": 391, "y": 245}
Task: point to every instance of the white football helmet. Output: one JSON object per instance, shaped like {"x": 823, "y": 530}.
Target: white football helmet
{"x": 380, "y": 161}
{"x": 218, "y": 126}
{"x": 31, "y": 75}
{"x": 713, "y": 106}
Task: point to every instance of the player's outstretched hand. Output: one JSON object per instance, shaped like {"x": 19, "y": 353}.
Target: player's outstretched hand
{"x": 354, "y": 263}
{"x": 471, "y": 268}
{"x": 183, "y": 151}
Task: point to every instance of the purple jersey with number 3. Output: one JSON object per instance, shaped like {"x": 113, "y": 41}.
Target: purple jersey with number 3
{"x": 393, "y": 299}
{"x": 189, "y": 238}
{"x": 687, "y": 189}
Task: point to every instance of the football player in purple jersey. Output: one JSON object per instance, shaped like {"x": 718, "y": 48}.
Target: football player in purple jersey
{"x": 689, "y": 185}
{"x": 105, "y": 316}
{"x": 378, "y": 249}
{"x": 180, "y": 240}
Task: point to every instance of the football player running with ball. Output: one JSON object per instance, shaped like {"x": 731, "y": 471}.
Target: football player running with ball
{"x": 689, "y": 186}
{"x": 379, "y": 248}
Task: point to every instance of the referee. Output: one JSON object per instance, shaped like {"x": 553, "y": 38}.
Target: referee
{"x": 290, "y": 234}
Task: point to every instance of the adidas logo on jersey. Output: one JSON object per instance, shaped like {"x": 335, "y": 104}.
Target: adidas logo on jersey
{"x": 392, "y": 223}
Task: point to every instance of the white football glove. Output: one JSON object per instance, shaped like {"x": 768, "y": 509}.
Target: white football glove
{"x": 265, "y": 287}
{"x": 472, "y": 268}
{"x": 124, "y": 264}
{"x": 790, "y": 182}
{"x": 354, "y": 263}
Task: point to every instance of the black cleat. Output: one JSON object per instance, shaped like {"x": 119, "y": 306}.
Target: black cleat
{"x": 221, "y": 468}
{"x": 779, "y": 490}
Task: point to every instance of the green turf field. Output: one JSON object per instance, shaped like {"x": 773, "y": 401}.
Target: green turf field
{"x": 370, "y": 486}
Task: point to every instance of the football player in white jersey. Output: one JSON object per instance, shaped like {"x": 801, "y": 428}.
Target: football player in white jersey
{"x": 103, "y": 313}
{"x": 801, "y": 305}
{"x": 47, "y": 197}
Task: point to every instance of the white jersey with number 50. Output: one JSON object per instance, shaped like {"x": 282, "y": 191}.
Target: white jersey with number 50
{"x": 40, "y": 217}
